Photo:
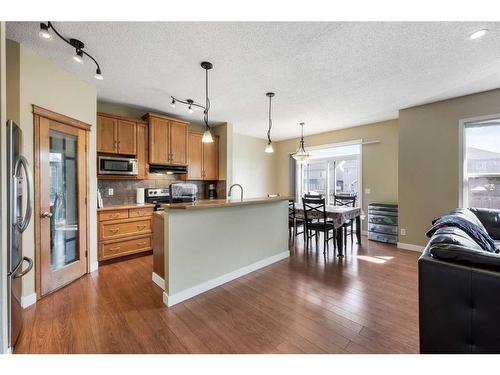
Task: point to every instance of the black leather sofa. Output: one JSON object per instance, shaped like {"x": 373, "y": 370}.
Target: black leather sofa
{"x": 459, "y": 291}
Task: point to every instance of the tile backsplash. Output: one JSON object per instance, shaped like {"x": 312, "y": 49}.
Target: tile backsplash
{"x": 124, "y": 191}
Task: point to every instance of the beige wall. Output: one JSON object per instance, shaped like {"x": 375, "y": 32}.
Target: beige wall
{"x": 252, "y": 167}
{"x": 380, "y": 160}
{"x": 428, "y": 159}
{"x": 46, "y": 85}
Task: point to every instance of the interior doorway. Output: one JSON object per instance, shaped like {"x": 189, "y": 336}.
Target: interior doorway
{"x": 61, "y": 212}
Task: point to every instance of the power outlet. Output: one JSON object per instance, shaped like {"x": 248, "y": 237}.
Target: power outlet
{"x": 111, "y": 192}
{"x": 368, "y": 191}
{"x": 403, "y": 231}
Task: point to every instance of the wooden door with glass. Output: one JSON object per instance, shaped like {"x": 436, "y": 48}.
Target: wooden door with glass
{"x": 61, "y": 201}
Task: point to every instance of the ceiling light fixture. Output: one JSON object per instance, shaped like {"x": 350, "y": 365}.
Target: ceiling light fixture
{"x": 78, "y": 56}
{"x": 44, "y": 32}
{"x": 478, "y": 34}
{"x": 173, "y": 103}
{"x": 269, "y": 148}
{"x": 207, "y": 135}
{"x": 75, "y": 43}
{"x": 301, "y": 154}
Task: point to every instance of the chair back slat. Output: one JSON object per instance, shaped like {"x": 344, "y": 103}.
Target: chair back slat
{"x": 312, "y": 206}
{"x": 344, "y": 200}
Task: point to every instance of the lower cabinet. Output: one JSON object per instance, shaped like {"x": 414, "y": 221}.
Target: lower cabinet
{"x": 124, "y": 232}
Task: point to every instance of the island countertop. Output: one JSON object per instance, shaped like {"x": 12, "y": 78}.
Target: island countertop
{"x": 214, "y": 203}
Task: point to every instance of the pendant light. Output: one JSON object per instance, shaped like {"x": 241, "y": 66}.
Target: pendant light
{"x": 269, "y": 148}
{"x": 301, "y": 154}
{"x": 78, "y": 45}
{"x": 207, "y": 135}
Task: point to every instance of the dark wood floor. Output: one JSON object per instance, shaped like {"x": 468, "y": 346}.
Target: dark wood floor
{"x": 366, "y": 303}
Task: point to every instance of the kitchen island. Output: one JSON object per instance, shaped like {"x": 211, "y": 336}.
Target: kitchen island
{"x": 210, "y": 242}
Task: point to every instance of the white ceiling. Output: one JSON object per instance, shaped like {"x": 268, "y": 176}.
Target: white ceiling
{"x": 329, "y": 75}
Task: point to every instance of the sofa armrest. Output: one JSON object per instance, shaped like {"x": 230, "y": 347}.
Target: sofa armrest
{"x": 458, "y": 307}
{"x": 490, "y": 219}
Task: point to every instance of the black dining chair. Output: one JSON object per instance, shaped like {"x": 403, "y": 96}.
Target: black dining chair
{"x": 294, "y": 223}
{"x": 346, "y": 201}
{"x": 316, "y": 221}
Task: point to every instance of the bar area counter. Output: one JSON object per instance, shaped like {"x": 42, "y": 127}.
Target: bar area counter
{"x": 209, "y": 242}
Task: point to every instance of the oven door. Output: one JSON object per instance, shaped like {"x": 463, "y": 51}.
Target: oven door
{"x": 109, "y": 165}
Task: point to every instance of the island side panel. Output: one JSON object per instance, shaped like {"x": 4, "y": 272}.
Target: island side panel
{"x": 209, "y": 247}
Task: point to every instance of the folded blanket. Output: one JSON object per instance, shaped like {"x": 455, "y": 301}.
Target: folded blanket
{"x": 476, "y": 232}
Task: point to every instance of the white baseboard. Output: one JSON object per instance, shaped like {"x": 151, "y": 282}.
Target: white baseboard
{"x": 409, "y": 246}
{"x": 94, "y": 266}
{"x": 28, "y": 300}
{"x": 158, "y": 280}
{"x": 210, "y": 284}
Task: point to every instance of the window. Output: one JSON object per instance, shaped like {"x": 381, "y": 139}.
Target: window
{"x": 330, "y": 171}
{"x": 481, "y": 164}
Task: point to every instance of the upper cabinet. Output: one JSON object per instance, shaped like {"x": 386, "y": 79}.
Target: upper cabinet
{"x": 116, "y": 135}
{"x": 168, "y": 140}
{"x": 203, "y": 158}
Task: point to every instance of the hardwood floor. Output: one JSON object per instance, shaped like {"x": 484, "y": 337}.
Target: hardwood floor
{"x": 366, "y": 303}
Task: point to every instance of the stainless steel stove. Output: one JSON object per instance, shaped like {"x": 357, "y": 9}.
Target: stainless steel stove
{"x": 157, "y": 197}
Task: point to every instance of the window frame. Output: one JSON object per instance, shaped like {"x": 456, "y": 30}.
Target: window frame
{"x": 298, "y": 182}
{"x": 463, "y": 181}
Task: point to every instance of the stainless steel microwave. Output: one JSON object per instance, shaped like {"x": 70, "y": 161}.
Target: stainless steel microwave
{"x": 111, "y": 165}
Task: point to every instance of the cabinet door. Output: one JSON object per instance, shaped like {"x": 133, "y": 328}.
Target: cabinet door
{"x": 126, "y": 137}
{"x": 195, "y": 155}
{"x": 159, "y": 141}
{"x": 178, "y": 143}
{"x": 211, "y": 160}
{"x": 106, "y": 134}
{"x": 142, "y": 151}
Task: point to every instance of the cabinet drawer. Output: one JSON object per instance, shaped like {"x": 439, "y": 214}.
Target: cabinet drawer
{"x": 121, "y": 248}
{"x": 110, "y": 230}
{"x": 113, "y": 215}
{"x": 139, "y": 212}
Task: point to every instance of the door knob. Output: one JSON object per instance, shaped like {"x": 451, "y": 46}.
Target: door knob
{"x": 46, "y": 214}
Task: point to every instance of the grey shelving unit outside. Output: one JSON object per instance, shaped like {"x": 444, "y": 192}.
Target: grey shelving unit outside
{"x": 383, "y": 222}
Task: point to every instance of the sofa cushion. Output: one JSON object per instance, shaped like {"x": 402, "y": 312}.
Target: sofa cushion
{"x": 453, "y": 236}
{"x": 466, "y": 221}
{"x": 466, "y": 255}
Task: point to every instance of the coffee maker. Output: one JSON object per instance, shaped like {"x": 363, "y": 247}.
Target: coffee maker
{"x": 212, "y": 191}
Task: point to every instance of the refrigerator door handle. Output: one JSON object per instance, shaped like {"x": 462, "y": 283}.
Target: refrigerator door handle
{"x": 22, "y": 224}
{"x": 24, "y": 272}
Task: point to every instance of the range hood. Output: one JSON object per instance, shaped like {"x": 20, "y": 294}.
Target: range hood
{"x": 168, "y": 169}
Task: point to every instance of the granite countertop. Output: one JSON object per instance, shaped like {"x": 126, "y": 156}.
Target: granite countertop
{"x": 214, "y": 203}
{"x": 125, "y": 206}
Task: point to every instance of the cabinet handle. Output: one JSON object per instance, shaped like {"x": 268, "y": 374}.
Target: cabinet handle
{"x": 114, "y": 248}
{"x": 114, "y": 230}
{"x": 115, "y": 215}
{"x": 142, "y": 226}
{"x": 141, "y": 243}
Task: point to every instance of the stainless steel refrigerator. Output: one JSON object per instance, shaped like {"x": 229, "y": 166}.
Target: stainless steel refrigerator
{"x": 20, "y": 210}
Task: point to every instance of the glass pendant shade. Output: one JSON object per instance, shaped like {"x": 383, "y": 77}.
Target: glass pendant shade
{"x": 269, "y": 148}
{"x": 301, "y": 154}
{"x": 207, "y": 137}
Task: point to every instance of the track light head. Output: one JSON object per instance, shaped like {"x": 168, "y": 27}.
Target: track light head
{"x": 98, "y": 74}
{"x": 172, "y": 104}
{"x": 78, "y": 57}
{"x": 44, "y": 31}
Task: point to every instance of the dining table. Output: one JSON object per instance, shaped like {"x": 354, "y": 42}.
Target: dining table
{"x": 338, "y": 215}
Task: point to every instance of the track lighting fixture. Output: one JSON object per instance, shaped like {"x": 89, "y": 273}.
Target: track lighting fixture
{"x": 75, "y": 43}
{"x": 207, "y": 135}
{"x": 269, "y": 148}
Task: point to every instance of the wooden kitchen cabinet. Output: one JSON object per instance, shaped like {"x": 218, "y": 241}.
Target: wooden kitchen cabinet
{"x": 195, "y": 156}
{"x": 116, "y": 135}
{"x": 125, "y": 231}
{"x": 168, "y": 140}
{"x": 203, "y": 158}
{"x": 142, "y": 151}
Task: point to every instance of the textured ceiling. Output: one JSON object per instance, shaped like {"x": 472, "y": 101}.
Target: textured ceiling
{"x": 329, "y": 75}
